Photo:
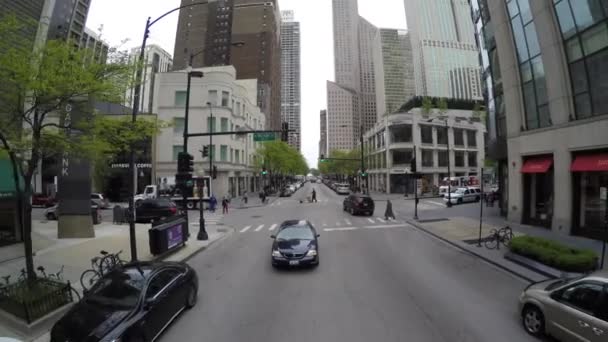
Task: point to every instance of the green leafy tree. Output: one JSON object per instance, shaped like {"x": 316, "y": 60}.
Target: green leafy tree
{"x": 442, "y": 106}
{"x": 37, "y": 85}
{"x": 427, "y": 106}
{"x": 280, "y": 160}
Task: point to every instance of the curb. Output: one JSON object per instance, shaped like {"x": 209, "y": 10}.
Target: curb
{"x": 197, "y": 252}
{"x": 488, "y": 260}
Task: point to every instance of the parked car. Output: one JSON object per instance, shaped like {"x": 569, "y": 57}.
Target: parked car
{"x": 42, "y": 200}
{"x": 135, "y": 302}
{"x": 154, "y": 209}
{"x": 286, "y": 192}
{"x": 342, "y": 189}
{"x": 569, "y": 309}
{"x": 52, "y": 213}
{"x": 359, "y": 203}
{"x": 101, "y": 201}
{"x": 295, "y": 244}
{"x": 462, "y": 195}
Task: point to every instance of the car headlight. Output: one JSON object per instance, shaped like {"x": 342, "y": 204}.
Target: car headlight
{"x": 276, "y": 253}
{"x": 311, "y": 252}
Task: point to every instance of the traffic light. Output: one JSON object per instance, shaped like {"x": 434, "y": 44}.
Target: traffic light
{"x": 214, "y": 172}
{"x": 264, "y": 172}
{"x": 322, "y": 158}
{"x": 183, "y": 180}
{"x": 185, "y": 163}
{"x": 413, "y": 165}
{"x": 285, "y": 131}
{"x": 205, "y": 151}
{"x": 363, "y": 173}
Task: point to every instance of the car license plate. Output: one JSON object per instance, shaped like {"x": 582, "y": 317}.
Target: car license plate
{"x": 294, "y": 262}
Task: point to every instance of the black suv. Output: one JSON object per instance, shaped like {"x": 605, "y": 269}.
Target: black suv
{"x": 154, "y": 209}
{"x": 358, "y": 204}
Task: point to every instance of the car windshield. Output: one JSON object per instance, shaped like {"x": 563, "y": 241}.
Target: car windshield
{"x": 561, "y": 282}
{"x": 300, "y": 233}
{"x": 119, "y": 288}
{"x": 459, "y": 191}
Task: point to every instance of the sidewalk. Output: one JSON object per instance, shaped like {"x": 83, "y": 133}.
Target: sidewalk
{"x": 463, "y": 232}
{"x": 75, "y": 255}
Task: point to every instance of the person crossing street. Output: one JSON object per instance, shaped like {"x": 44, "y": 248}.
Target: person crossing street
{"x": 314, "y": 196}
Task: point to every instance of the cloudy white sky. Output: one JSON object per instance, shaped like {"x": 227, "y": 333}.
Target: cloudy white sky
{"x": 125, "y": 20}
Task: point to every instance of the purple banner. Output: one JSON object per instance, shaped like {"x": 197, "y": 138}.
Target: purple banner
{"x": 174, "y": 236}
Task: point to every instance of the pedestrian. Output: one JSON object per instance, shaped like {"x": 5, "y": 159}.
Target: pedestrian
{"x": 224, "y": 205}
{"x": 314, "y": 196}
{"x": 212, "y": 203}
{"x": 388, "y": 214}
{"x": 245, "y": 197}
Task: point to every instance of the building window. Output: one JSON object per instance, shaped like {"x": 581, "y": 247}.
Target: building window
{"x": 442, "y": 158}
{"x": 442, "y": 137}
{"x": 472, "y": 159}
{"x": 401, "y": 157}
{"x": 236, "y": 156}
{"x": 225, "y": 98}
{"x": 180, "y": 98}
{"x": 178, "y": 126}
{"x": 426, "y": 134}
{"x": 211, "y": 125}
{"x": 459, "y": 158}
{"x": 401, "y": 133}
{"x": 471, "y": 138}
{"x": 530, "y": 64}
{"x": 176, "y": 150}
{"x": 223, "y": 153}
{"x": 213, "y": 97}
{"x": 458, "y": 137}
{"x": 427, "y": 158}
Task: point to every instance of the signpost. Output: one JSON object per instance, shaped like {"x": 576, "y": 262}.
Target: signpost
{"x": 265, "y": 136}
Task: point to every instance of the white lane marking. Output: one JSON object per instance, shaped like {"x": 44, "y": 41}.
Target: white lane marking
{"x": 272, "y": 227}
{"x": 370, "y": 220}
{"x": 339, "y": 229}
{"x": 245, "y": 229}
{"x": 385, "y": 226}
{"x": 381, "y": 220}
{"x": 437, "y": 203}
{"x": 348, "y": 222}
{"x": 259, "y": 228}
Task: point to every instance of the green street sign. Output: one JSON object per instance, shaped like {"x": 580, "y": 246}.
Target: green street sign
{"x": 266, "y": 136}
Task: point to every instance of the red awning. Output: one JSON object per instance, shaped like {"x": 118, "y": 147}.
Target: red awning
{"x": 537, "y": 165}
{"x": 593, "y": 162}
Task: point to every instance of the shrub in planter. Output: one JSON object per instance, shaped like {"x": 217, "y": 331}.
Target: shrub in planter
{"x": 554, "y": 254}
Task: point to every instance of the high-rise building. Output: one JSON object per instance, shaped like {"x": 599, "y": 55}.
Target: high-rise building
{"x": 290, "y": 76}
{"x": 444, "y": 51}
{"x": 356, "y": 98}
{"x": 68, "y": 20}
{"x": 242, "y": 33}
{"x": 31, "y": 10}
{"x": 92, "y": 41}
{"x": 398, "y": 67}
{"x": 323, "y": 135}
{"x": 548, "y": 101}
{"x": 156, "y": 60}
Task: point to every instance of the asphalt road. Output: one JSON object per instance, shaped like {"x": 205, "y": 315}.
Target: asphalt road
{"x": 377, "y": 281}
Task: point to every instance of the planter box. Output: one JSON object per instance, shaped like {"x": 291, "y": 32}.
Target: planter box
{"x": 538, "y": 266}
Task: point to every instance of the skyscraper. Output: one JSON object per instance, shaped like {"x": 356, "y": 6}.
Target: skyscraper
{"x": 444, "y": 51}
{"x": 323, "y": 133}
{"x": 156, "y": 60}
{"x": 69, "y": 19}
{"x": 242, "y": 33}
{"x": 398, "y": 67}
{"x": 26, "y": 9}
{"x": 290, "y": 76}
{"x": 355, "y": 99}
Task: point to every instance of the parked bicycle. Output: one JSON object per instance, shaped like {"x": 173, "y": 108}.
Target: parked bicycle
{"x": 100, "y": 265}
{"x": 57, "y": 276}
{"x": 498, "y": 236}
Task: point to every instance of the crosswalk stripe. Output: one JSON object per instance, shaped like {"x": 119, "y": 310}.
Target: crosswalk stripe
{"x": 245, "y": 229}
{"x": 259, "y": 228}
{"x": 272, "y": 227}
{"x": 370, "y": 220}
{"x": 339, "y": 229}
{"x": 385, "y": 226}
{"x": 381, "y": 220}
{"x": 437, "y": 203}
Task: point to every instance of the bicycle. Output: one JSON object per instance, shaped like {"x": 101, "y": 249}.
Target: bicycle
{"x": 52, "y": 276}
{"x": 99, "y": 267}
{"x": 496, "y": 237}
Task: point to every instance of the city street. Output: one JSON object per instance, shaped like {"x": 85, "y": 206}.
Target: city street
{"x": 377, "y": 281}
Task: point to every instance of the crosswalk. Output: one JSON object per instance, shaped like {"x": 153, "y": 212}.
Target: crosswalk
{"x": 329, "y": 226}
{"x": 288, "y": 200}
{"x": 211, "y": 219}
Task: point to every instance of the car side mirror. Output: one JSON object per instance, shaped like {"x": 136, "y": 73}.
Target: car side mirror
{"x": 273, "y": 236}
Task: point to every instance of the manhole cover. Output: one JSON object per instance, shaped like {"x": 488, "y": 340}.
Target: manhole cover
{"x": 256, "y": 216}
{"x": 433, "y": 220}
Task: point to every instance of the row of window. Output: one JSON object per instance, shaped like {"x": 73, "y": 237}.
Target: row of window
{"x": 403, "y": 134}
{"x": 236, "y": 156}
{"x": 404, "y": 157}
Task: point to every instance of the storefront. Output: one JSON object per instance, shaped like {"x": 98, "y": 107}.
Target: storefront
{"x": 590, "y": 187}
{"x": 538, "y": 190}
{"x": 9, "y": 231}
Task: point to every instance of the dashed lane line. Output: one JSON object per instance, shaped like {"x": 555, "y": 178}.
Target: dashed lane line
{"x": 340, "y": 229}
{"x": 259, "y": 228}
{"x": 272, "y": 227}
{"x": 245, "y": 229}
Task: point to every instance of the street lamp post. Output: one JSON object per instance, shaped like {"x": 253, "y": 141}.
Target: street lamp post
{"x": 202, "y": 231}
{"x": 136, "y": 96}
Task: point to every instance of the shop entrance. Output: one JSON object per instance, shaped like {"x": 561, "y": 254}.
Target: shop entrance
{"x": 590, "y": 191}
{"x": 538, "y": 191}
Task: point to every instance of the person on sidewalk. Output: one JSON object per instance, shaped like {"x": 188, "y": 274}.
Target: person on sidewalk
{"x": 245, "y": 197}
{"x": 314, "y": 196}
{"x": 388, "y": 214}
{"x": 212, "y": 203}
{"x": 224, "y": 205}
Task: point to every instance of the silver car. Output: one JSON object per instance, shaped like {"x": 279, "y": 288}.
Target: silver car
{"x": 569, "y": 309}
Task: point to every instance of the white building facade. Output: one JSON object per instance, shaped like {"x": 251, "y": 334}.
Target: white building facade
{"x": 156, "y": 60}
{"x": 290, "y": 77}
{"x": 444, "y": 51}
{"x": 233, "y": 105}
{"x": 395, "y": 138}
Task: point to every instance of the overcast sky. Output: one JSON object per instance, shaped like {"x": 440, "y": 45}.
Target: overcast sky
{"x": 125, "y": 20}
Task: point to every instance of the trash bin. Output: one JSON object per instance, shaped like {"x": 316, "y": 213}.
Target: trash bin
{"x": 95, "y": 215}
{"x": 118, "y": 215}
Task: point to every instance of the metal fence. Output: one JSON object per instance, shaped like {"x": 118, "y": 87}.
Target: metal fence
{"x": 36, "y": 299}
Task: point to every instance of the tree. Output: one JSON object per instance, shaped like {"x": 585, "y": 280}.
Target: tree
{"x": 442, "y": 106}
{"x": 427, "y": 106}
{"x": 37, "y": 85}
{"x": 314, "y": 172}
{"x": 280, "y": 159}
